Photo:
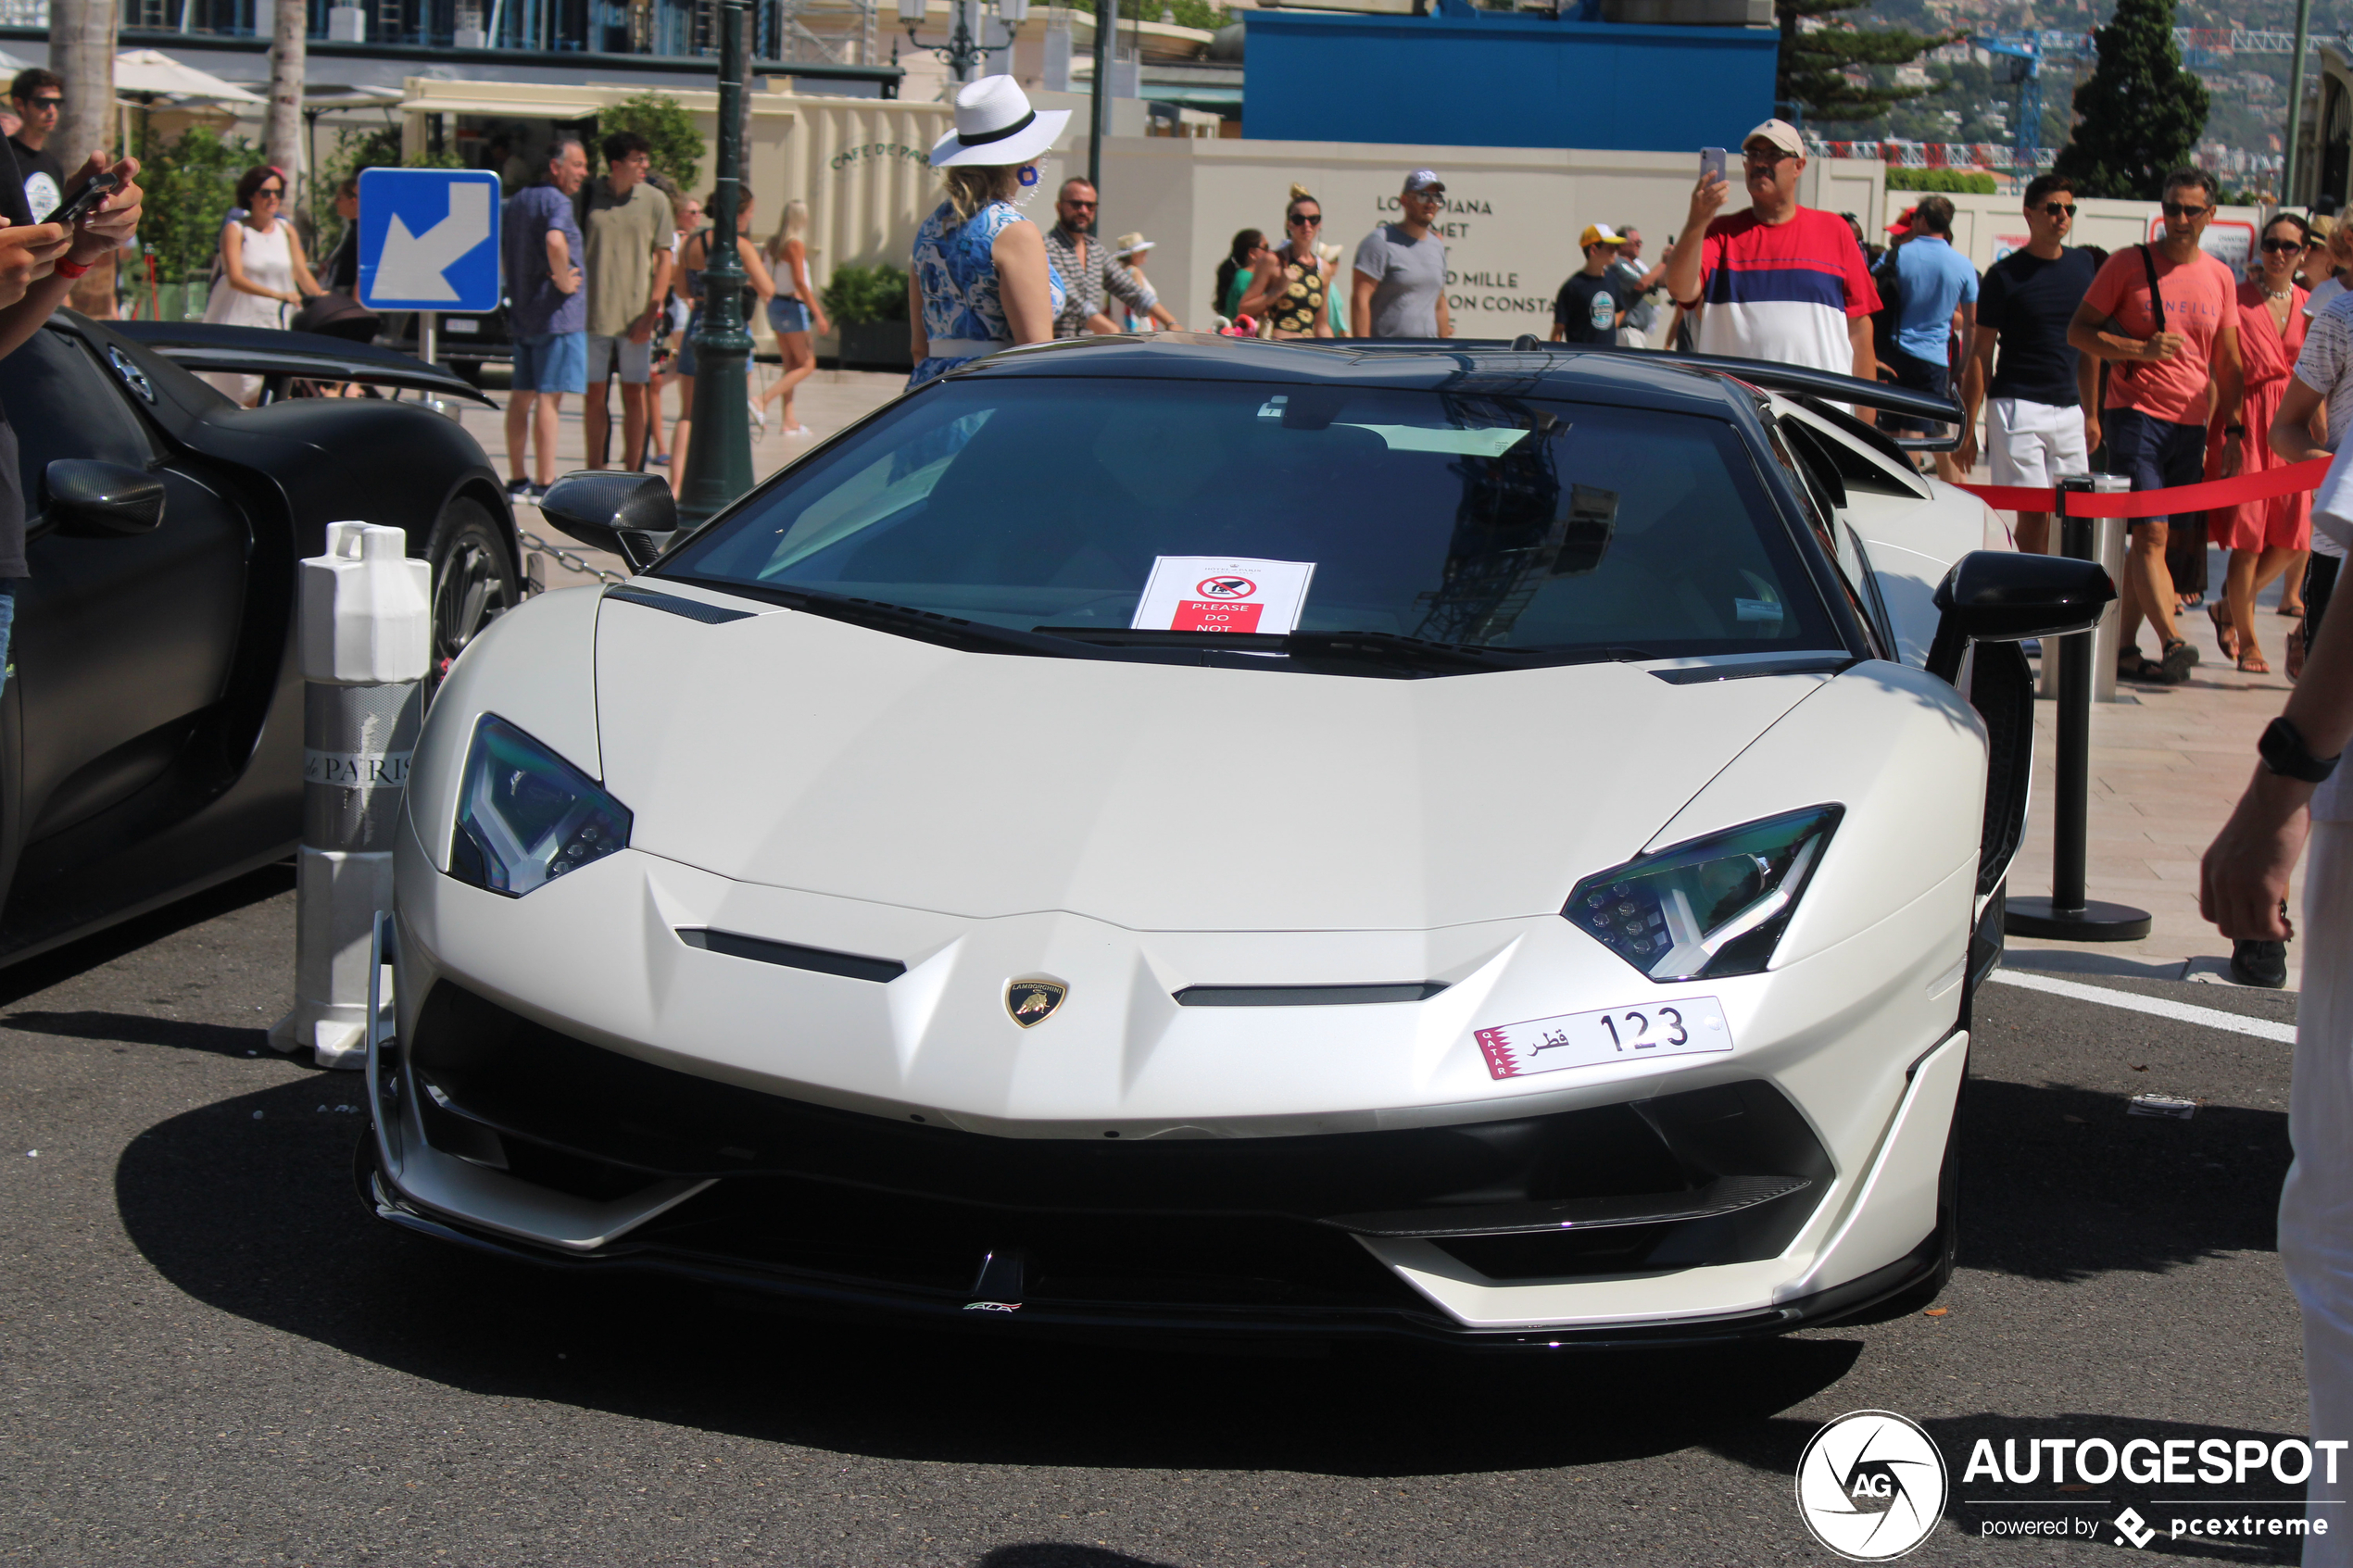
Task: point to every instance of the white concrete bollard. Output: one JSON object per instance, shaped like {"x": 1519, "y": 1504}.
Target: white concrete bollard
{"x": 367, "y": 640}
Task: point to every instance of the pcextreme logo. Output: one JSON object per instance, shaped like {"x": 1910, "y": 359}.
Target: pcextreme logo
{"x": 1870, "y": 1486}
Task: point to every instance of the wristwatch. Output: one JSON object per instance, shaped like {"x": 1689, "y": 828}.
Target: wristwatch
{"x": 2233, "y": 430}
{"x": 2285, "y": 753}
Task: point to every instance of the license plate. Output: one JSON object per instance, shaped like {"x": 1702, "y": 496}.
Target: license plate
{"x": 455, "y": 324}
{"x": 1686, "y": 1027}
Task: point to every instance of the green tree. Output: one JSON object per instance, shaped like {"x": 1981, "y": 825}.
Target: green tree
{"x": 676, "y": 140}
{"x": 1939, "y": 179}
{"x": 1815, "y": 62}
{"x": 1199, "y": 14}
{"x": 190, "y": 183}
{"x": 2139, "y": 113}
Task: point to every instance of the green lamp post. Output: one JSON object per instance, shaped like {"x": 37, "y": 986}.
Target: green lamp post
{"x": 719, "y": 457}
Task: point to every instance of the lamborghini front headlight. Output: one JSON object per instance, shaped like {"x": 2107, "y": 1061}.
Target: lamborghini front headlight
{"x": 525, "y": 816}
{"x": 1713, "y": 907}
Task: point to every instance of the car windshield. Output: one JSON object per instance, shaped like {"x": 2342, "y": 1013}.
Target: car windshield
{"x": 1138, "y": 507}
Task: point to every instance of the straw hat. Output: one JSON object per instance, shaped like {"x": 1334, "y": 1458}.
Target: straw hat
{"x": 1131, "y": 245}
{"x": 995, "y": 126}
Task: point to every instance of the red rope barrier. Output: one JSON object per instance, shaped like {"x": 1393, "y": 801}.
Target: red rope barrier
{"x": 2258, "y": 486}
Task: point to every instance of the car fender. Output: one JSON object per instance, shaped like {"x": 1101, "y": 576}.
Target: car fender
{"x": 1905, "y": 754}
{"x": 540, "y": 660}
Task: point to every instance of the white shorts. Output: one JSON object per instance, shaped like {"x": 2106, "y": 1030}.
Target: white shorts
{"x": 2033, "y": 443}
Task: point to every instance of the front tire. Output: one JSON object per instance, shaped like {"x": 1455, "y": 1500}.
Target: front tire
{"x": 475, "y": 580}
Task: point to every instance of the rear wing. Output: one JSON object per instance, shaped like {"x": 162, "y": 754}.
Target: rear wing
{"x": 260, "y": 351}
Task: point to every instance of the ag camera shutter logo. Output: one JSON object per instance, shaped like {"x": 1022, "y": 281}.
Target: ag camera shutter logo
{"x": 1872, "y": 1486}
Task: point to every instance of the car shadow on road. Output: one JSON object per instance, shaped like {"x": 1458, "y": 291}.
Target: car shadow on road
{"x": 137, "y": 1029}
{"x": 2061, "y": 1184}
{"x": 258, "y": 1216}
{"x": 60, "y": 964}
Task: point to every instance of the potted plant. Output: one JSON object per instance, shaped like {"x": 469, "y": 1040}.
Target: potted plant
{"x": 868, "y": 306}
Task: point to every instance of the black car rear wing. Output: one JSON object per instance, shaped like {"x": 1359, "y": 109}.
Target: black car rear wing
{"x": 260, "y": 351}
{"x": 1797, "y": 381}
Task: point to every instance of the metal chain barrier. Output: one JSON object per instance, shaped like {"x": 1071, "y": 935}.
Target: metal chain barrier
{"x": 570, "y": 562}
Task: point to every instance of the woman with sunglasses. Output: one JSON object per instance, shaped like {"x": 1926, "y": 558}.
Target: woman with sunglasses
{"x": 2262, "y": 537}
{"x": 1291, "y": 293}
{"x": 263, "y": 278}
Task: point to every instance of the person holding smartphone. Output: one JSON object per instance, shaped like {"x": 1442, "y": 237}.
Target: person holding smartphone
{"x": 38, "y": 265}
{"x": 1781, "y": 282}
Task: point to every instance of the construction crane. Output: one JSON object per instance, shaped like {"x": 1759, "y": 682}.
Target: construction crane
{"x": 2031, "y": 50}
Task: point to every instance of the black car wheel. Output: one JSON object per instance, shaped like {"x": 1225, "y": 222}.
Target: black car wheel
{"x": 475, "y": 580}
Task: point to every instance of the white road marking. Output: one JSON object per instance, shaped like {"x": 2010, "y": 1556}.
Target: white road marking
{"x": 2181, "y": 1012}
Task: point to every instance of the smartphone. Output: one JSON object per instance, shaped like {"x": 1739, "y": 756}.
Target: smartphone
{"x": 101, "y": 186}
{"x": 1711, "y": 165}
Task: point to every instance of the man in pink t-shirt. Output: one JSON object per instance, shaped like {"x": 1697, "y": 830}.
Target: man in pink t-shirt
{"x": 2164, "y": 316}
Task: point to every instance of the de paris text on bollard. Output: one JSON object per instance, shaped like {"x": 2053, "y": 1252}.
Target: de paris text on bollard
{"x": 367, "y": 623}
{"x": 2066, "y": 914}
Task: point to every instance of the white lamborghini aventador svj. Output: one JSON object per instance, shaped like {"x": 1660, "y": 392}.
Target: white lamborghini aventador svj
{"x": 1486, "y": 843}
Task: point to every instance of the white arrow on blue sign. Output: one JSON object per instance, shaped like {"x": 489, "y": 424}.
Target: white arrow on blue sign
{"x": 429, "y": 239}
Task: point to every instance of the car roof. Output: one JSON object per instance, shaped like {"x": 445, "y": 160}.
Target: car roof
{"x": 1569, "y": 372}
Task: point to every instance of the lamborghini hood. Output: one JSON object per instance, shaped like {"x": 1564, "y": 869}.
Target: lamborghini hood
{"x": 793, "y": 751}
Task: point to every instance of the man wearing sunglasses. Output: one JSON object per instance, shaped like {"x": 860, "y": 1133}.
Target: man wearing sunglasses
{"x": 2039, "y": 386}
{"x": 38, "y": 96}
{"x": 1092, "y": 275}
{"x": 1781, "y": 282}
{"x": 1400, "y": 286}
{"x": 2165, "y": 317}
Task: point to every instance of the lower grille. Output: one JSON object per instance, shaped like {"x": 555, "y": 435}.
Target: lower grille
{"x": 1713, "y": 1175}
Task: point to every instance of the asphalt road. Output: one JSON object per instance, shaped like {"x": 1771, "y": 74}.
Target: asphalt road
{"x": 210, "y": 1354}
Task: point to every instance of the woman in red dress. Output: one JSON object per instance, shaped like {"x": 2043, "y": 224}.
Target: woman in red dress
{"x": 2262, "y": 537}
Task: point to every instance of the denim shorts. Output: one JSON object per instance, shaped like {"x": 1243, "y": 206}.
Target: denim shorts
{"x": 635, "y": 360}
{"x": 685, "y": 364}
{"x": 552, "y": 362}
{"x": 2155, "y": 454}
{"x": 788, "y": 315}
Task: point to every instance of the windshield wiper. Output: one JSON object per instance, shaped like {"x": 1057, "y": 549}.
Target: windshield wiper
{"x": 878, "y": 615}
{"x": 1394, "y": 649}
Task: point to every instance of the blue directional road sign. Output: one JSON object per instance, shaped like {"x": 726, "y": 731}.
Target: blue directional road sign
{"x": 429, "y": 239}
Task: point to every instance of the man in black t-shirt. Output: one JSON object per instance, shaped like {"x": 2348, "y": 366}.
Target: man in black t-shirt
{"x": 38, "y": 95}
{"x": 2039, "y": 386}
{"x": 1592, "y": 305}
{"x": 38, "y": 264}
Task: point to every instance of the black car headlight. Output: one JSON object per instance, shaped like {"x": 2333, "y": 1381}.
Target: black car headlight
{"x": 525, "y": 816}
{"x": 1713, "y": 907}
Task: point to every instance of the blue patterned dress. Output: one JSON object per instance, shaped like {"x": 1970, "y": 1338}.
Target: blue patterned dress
{"x": 956, "y": 269}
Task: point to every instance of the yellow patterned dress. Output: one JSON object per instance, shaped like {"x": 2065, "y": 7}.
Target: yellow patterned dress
{"x": 1298, "y": 309}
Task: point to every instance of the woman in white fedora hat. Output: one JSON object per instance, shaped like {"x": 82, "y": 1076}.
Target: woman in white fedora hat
{"x": 981, "y": 279}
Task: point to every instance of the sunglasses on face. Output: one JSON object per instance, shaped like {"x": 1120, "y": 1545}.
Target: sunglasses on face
{"x": 2178, "y": 210}
{"x": 272, "y": 190}
{"x": 1308, "y": 219}
{"x": 1765, "y": 160}
{"x": 2283, "y": 247}
{"x": 2059, "y": 209}
{"x": 1087, "y": 206}
{"x": 46, "y": 105}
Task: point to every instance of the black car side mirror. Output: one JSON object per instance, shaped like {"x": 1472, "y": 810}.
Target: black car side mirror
{"x": 1999, "y": 597}
{"x": 631, "y": 514}
{"x": 83, "y": 499}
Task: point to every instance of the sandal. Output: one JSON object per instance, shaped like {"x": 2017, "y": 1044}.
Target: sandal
{"x": 2178, "y": 660}
{"x": 2224, "y": 632}
{"x": 2138, "y": 666}
{"x": 2294, "y": 613}
{"x": 2252, "y": 664}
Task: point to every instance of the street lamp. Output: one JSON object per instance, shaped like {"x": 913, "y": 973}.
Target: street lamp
{"x": 719, "y": 457}
{"x": 964, "y": 48}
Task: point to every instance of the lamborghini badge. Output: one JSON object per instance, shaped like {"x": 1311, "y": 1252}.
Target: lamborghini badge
{"x": 1034, "y": 1001}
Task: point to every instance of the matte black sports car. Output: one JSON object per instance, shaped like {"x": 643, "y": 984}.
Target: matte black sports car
{"x": 151, "y": 731}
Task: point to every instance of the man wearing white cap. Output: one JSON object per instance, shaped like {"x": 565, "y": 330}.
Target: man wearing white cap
{"x": 981, "y": 280}
{"x": 1780, "y": 281}
{"x": 1400, "y": 268}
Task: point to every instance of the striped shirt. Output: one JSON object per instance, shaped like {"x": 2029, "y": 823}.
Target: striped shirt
{"x": 1783, "y": 292}
{"x": 1104, "y": 274}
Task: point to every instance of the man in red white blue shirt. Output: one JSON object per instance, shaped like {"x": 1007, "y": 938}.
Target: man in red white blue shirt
{"x": 1780, "y": 281}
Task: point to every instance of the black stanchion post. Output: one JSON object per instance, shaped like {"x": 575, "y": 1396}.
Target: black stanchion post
{"x": 2066, "y": 914}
